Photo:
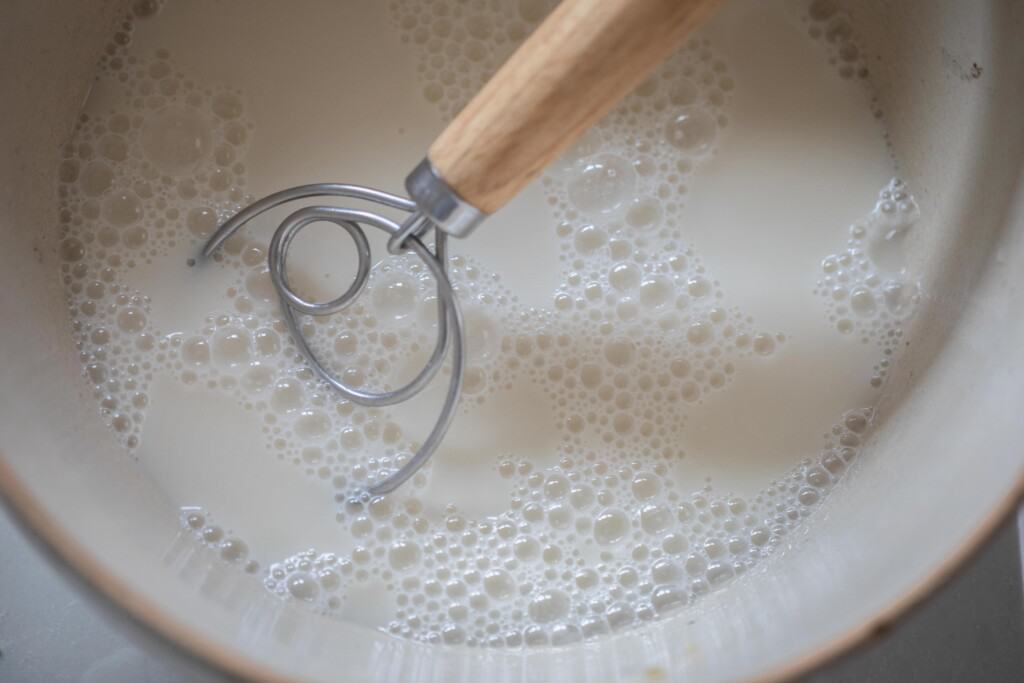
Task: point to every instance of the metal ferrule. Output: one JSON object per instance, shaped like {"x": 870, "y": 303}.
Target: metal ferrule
{"x": 439, "y": 202}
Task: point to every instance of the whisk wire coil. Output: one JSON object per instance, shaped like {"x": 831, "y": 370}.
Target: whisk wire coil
{"x": 405, "y": 237}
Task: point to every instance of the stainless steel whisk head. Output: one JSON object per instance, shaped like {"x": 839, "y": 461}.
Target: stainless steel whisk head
{"x": 405, "y": 237}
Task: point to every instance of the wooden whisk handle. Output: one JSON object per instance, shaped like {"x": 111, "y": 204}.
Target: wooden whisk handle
{"x": 584, "y": 58}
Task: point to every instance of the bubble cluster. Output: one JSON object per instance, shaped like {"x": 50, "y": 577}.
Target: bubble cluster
{"x": 602, "y": 534}
{"x": 311, "y": 578}
{"x": 586, "y": 548}
{"x": 228, "y": 546}
{"x": 829, "y": 23}
{"x": 865, "y": 287}
{"x": 663, "y": 333}
{"x": 461, "y": 44}
{"x": 132, "y": 183}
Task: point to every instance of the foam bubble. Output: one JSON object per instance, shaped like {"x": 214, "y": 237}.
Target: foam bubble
{"x": 176, "y": 140}
{"x": 866, "y": 288}
{"x": 692, "y": 130}
{"x": 602, "y": 185}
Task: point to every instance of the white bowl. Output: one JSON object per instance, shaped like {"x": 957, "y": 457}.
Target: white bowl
{"x": 947, "y": 462}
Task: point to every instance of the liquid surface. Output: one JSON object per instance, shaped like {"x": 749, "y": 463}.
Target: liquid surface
{"x": 675, "y": 336}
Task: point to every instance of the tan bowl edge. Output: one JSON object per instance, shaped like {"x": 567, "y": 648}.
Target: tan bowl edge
{"x": 65, "y": 550}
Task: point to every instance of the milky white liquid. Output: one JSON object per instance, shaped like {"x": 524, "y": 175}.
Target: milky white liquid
{"x": 675, "y": 336}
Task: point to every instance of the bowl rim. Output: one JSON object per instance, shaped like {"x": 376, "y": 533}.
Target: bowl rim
{"x": 91, "y": 575}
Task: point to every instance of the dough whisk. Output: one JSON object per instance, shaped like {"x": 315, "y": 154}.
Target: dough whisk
{"x": 584, "y": 58}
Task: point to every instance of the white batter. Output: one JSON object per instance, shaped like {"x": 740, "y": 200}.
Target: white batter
{"x": 675, "y": 336}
